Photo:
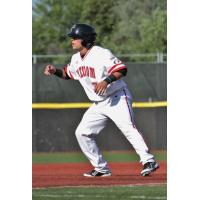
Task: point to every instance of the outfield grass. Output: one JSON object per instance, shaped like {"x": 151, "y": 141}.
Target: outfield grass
{"x": 75, "y": 157}
{"x": 105, "y": 193}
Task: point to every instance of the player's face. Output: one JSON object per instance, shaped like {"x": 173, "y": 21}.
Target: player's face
{"x": 76, "y": 44}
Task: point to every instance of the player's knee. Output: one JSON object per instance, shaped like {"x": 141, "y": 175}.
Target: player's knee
{"x": 83, "y": 132}
{"x": 78, "y": 132}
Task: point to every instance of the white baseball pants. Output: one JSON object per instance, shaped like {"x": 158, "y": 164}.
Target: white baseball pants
{"x": 118, "y": 108}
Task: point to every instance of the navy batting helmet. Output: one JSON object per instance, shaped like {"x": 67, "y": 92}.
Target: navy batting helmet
{"x": 85, "y": 32}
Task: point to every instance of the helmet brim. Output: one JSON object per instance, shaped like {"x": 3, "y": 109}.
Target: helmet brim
{"x": 69, "y": 34}
{"x": 72, "y": 35}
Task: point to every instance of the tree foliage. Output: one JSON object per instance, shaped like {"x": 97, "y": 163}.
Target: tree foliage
{"x": 125, "y": 26}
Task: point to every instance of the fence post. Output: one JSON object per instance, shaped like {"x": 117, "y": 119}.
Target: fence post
{"x": 34, "y": 59}
{"x": 159, "y": 57}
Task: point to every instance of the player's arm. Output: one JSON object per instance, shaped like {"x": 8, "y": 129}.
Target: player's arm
{"x": 116, "y": 75}
{"x": 101, "y": 86}
{"x": 52, "y": 70}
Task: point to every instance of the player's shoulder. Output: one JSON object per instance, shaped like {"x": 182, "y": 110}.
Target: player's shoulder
{"x": 101, "y": 51}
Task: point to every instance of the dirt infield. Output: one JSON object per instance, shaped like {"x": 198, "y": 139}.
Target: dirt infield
{"x": 70, "y": 174}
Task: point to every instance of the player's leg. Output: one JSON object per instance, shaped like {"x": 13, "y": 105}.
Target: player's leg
{"x": 120, "y": 111}
{"x": 91, "y": 124}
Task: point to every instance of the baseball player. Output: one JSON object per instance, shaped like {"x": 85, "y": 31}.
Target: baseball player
{"x": 100, "y": 73}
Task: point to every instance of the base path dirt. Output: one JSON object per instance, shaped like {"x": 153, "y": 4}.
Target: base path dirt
{"x": 71, "y": 174}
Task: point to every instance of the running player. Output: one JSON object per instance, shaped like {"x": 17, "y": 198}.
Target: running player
{"x": 100, "y": 73}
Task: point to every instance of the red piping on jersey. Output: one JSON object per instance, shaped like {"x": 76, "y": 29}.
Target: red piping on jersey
{"x": 65, "y": 69}
{"x": 134, "y": 126}
{"x": 129, "y": 109}
{"x": 70, "y": 75}
{"x": 115, "y": 70}
{"x": 114, "y": 67}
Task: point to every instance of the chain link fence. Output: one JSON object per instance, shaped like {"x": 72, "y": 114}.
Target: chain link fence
{"x": 134, "y": 57}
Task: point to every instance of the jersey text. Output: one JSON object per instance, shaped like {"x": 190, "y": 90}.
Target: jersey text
{"x": 86, "y": 71}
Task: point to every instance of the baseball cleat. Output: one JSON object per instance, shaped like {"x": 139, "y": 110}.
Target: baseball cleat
{"x": 149, "y": 167}
{"x": 95, "y": 173}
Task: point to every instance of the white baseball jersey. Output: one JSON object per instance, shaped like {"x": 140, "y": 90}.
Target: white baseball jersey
{"x": 115, "y": 104}
{"x": 95, "y": 66}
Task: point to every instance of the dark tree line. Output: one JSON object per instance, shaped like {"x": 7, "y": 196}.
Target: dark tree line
{"x": 125, "y": 26}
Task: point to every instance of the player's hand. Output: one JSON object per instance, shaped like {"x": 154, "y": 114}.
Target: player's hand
{"x": 49, "y": 70}
{"x": 100, "y": 87}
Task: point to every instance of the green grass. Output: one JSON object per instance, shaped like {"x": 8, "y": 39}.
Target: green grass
{"x": 105, "y": 193}
{"x": 110, "y": 156}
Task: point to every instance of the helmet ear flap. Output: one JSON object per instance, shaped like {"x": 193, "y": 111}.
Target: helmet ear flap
{"x": 88, "y": 41}
{"x": 83, "y": 42}
{"x": 87, "y": 44}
